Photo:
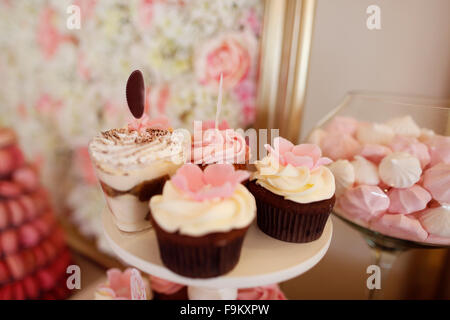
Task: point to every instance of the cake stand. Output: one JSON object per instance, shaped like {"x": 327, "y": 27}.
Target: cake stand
{"x": 263, "y": 260}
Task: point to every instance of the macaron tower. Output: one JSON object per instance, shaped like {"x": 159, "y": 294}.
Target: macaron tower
{"x": 133, "y": 163}
{"x": 33, "y": 253}
{"x": 392, "y": 177}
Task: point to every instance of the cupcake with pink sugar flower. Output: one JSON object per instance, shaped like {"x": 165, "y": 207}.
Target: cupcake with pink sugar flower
{"x": 201, "y": 219}
{"x": 294, "y": 191}
{"x": 126, "y": 285}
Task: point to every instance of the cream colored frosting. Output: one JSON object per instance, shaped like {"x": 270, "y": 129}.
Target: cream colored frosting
{"x": 174, "y": 211}
{"x": 365, "y": 171}
{"x": 297, "y": 184}
{"x": 400, "y": 170}
{"x": 344, "y": 175}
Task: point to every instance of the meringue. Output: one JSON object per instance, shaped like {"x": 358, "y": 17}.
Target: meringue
{"x": 413, "y": 147}
{"x": 437, "y": 180}
{"x": 375, "y": 152}
{"x": 376, "y": 133}
{"x": 364, "y": 202}
{"x": 405, "y": 126}
{"x": 437, "y": 220}
{"x": 340, "y": 146}
{"x": 408, "y": 200}
{"x": 400, "y": 226}
{"x": 400, "y": 170}
{"x": 439, "y": 147}
{"x": 344, "y": 175}
{"x": 365, "y": 171}
{"x": 340, "y": 124}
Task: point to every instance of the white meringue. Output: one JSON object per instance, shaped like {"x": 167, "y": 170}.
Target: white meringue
{"x": 365, "y": 171}
{"x": 375, "y": 133}
{"x": 400, "y": 170}
{"x": 437, "y": 220}
{"x": 344, "y": 175}
{"x": 405, "y": 126}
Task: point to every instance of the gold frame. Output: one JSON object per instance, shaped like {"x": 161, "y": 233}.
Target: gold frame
{"x": 285, "y": 52}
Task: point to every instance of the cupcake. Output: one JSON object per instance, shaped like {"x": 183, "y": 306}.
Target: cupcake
{"x": 201, "y": 219}
{"x": 294, "y": 191}
{"x": 218, "y": 145}
{"x": 132, "y": 165}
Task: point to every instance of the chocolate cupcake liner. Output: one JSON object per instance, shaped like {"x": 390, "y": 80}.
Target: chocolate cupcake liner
{"x": 290, "y": 226}
{"x": 289, "y": 221}
{"x": 200, "y": 257}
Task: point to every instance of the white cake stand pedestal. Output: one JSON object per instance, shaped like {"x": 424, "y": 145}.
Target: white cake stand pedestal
{"x": 264, "y": 260}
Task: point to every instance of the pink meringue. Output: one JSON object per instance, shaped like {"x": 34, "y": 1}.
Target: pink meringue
{"x": 375, "y": 152}
{"x": 439, "y": 147}
{"x": 413, "y": 147}
{"x": 438, "y": 240}
{"x": 374, "y": 133}
{"x": 437, "y": 221}
{"x": 269, "y": 292}
{"x": 164, "y": 286}
{"x": 340, "y": 124}
{"x": 405, "y": 126}
{"x": 408, "y": 200}
{"x": 400, "y": 170}
{"x": 364, "y": 202}
{"x": 127, "y": 285}
{"x": 400, "y": 226}
{"x": 437, "y": 181}
{"x": 340, "y": 146}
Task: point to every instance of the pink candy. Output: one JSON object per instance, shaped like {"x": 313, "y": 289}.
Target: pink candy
{"x": 439, "y": 147}
{"x": 364, "y": 202}
{"x": 27, "y": 178}
{"x": 408, "y": 200}
{"x": 400, "y": 226}
{"x": 9, "y": 189}
{"x": 340, "y": 146}
{"x": 342, "y": 125}
{"x": 437, "y": 181}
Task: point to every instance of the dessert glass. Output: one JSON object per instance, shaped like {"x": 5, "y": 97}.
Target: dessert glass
{"x": 370, "y": 107}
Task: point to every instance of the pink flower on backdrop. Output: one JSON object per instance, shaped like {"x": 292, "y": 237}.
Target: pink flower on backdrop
{"x": 48, "y": 36}
{"x": 252, "y": 20}
{"x": 270, "y": 292}
{"x": 248, "y": 114}
{"x": 87, "y": 8}
{"x": 127, "y": 285}
{"x": 227, "y": 54}
{"x": 216, "y": 181}
{"x": 46, "y": 104}
{"x": 146, "y": 12}
{"x": 84, "y": 163}
{"x": 308, "y": 155}
{"x": 82, "y": 68}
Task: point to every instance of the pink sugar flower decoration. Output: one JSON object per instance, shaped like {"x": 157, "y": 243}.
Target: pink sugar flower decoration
{"x": 161, "y": 122}
{"x": 216, "y": 181}
{"x": 127, "y": 285}
{"x": 308, "y": 155}
{"x": 270, "y": 292}
{"x": 164, "y": 286}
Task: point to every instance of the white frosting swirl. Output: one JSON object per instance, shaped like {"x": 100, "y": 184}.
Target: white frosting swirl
{"x": 297, "y": 184}
{"x": 121, "y": 150}
{"x": 174, "y": 211}
{"x": 214, "y": 146}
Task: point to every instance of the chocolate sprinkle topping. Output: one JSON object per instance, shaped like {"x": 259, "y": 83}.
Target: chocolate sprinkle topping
{"x": 135, "y": 92}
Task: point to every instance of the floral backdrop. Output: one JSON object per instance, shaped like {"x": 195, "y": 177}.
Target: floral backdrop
{"x": 59, "y": 87}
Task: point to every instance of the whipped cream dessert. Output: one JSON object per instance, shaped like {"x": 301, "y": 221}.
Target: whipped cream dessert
{"x": 132, "y": 166}
{"x": 392, "y": 177}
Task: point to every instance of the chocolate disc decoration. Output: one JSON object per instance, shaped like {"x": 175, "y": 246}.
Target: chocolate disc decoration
{"x": 136, "y": 94}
